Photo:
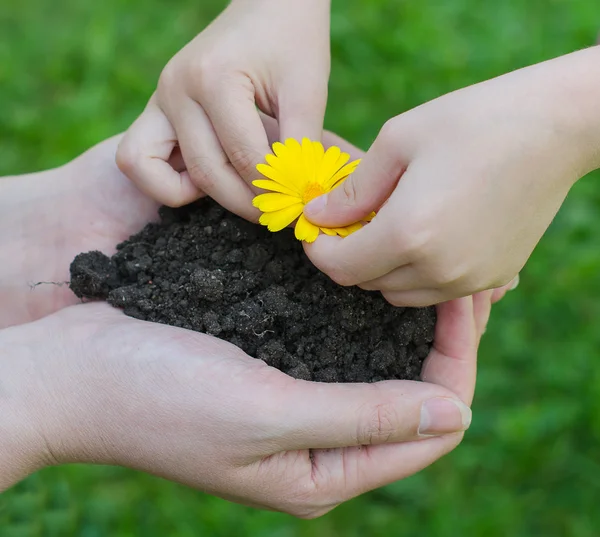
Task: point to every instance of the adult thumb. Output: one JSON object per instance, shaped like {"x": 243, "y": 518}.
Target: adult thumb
{"x": 365, "y": 190}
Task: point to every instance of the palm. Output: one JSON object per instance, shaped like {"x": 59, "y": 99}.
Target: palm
{"x": 201, "y": 404}
{"x": 49, "y": 218}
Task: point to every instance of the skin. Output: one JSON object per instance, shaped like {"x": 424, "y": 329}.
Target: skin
{"x": 84, "y": 383}
{"x": 270, "y": 56}
{"x": 465, "y": 185}
{"x": 486, "y": 154}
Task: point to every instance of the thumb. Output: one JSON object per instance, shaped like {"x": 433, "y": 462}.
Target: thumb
{"x": 366, "y": 189}
{"x": 334, "y": 415}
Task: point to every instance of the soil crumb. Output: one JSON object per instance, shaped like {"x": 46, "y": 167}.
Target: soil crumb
{"x": 204, "y": 269}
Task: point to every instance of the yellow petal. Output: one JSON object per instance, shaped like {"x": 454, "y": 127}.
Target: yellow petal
{"x": 305, "y": 231}
{"x": 273, "y": 186}
{"x": 342, "y": 174}
{"x": 277, "y": 220}
{"x": 274, "y": 162}
{"x": 279, "y": 177}
{"x": 280, "y": 149}
{"x": 270, "y": 202}
{"x": 354, "y": 227}
{"x": 341, "y": 231}
{"x": 319, "y": 154}
{"x": 293, "y": 145}
{"x": 327, "y": 169}
{"x": 328, "y": 231}
{"x": 342, "y": 159}
{"x": 370, "y": 217}
{"x": 347, "y": 230}
{"x": 308, "y": 160}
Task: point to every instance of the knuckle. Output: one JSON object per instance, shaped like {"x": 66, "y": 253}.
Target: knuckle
{"x": 242, "y": 160}
{"x": 202, "y": 172}
{"x": 447, "y": 274}
{"x": 169, "y": 79}
{"x": 412, "y": 239}
{"x": 127, "y": 157}
{"x": 390, "y": 135}
{"x": 208, "y": 72}
{"x": 379, "y": 425}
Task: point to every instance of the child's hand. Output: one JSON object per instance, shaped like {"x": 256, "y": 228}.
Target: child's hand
{"x": 270, "y": 54}
{"x": 473, "y": 178}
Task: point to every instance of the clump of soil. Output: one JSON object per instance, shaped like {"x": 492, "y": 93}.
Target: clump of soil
{"x": 204, "y": 269}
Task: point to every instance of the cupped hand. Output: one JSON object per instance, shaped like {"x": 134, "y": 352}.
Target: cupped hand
{"x": 464, "y": 186}
{"x": 270, "y": 55}
{"x": 88, "y": 384}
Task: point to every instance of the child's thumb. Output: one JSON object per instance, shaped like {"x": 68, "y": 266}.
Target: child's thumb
{"x": 363, "y": 192}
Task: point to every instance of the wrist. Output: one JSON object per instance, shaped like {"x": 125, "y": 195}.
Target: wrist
{"x": 23, "y": 449}
{"x": 570, "y": 86}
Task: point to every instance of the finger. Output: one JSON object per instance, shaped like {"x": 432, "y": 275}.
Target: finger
{"x": 482, "y": 307}
{"x": 143, "y": 156}
{"x": 342, "y": 474}
{"x": 334, "y": 415}
{"x": 301, "y": 109}
{"x": 207, "y": 164}
{"x": 329, "y": 138}
{"x": 405, "y": 278}
{"x": 501, "y": 291}
{"x": 452, "y": 362}
{"x": 271, "y": 128}
{"x": 238, "y": 126}
{"x": 363, "y": 256}
{"x": 365, "y": 190}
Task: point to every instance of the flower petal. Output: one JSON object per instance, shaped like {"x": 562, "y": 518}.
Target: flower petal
{"x": 327, "y": 169}
{"x": 280, "y": 150}
{"x": 319, "y": 154}
{"x": 274, "y": 187}
{"x": 370, "y": 217}
{"x": 305, "y": 230}
{"x": 308, "y": 160}
{"x": 279, "y": 177}
{"x": 328, "y": 231}
{"x": 277, "y": 220}
{"x": 343, "y": 173}
{"x": 274, "y": 201}
{"x": 347, "y": 230}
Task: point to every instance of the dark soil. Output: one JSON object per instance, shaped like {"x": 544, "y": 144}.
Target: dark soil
{"x": 204, "y": 269}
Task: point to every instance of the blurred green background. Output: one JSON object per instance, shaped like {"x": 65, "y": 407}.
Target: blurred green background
{"x": 75, "y": 72}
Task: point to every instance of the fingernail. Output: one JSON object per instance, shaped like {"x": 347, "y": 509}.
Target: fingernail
{"x": 317, "y": 205}
{"x": 515, "y": 283}
{"x": 443, "y": 415}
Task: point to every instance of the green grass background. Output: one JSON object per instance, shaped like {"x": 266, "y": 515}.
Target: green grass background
{"x": 74, "y": 72}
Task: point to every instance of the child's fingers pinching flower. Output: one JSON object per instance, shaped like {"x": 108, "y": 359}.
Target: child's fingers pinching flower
{"x": 296, "y": 174}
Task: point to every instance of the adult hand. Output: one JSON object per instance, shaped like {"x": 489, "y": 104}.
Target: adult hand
{"x": 47, "y": 218}
{"x": 88, "y": 384}
{"x": 270, "y": 54}
{"x": 464, "y": 186}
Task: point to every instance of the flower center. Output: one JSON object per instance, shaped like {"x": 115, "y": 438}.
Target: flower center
{"x": 313, "y": 190}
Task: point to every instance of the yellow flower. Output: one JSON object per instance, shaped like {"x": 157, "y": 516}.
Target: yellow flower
{"x": 296, "y": 174}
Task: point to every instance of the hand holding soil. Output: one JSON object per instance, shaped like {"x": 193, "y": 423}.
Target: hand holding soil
{"x": 92, "y": 385}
